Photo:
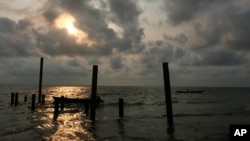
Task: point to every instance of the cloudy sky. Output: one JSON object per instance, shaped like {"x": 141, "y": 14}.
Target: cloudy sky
{"x": 206, "y": 42}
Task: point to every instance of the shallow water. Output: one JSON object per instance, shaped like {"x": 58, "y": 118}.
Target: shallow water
{"x": 205, "y": 116}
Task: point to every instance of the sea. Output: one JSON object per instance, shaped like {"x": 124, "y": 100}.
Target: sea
{"x": 197, "y": 116}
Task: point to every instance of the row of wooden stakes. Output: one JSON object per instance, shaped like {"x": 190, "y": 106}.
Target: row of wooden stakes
{"x": 87, "y": 103}
{"x": 62, "y": 100}
{"x": 14, "y": 100}
{"x": 167, "y": 89}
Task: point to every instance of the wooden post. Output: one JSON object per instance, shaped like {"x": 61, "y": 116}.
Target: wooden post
{"x": 25, "y": 98}
{"x": 33, "y": 102}
{"x": 168, "y": 98}
{"x": 12, "y": 98}
{"x": 86, "y": 106}
{"x": 121, "y": 107}
{"x": 16, "y": 99}
{"x": 43, "y": 99}
{"x": 40, "y": 80}
{"x": 56, "y": 109}
{"x": 93, "y": 92}
{"x": 62, "y": 102}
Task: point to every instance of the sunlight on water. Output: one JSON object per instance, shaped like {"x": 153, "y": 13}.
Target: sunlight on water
{"x": 203, "y": 116}
{"x": 69, "y": 126}
{"x": 71, "y": 123}
{"x": 67, "y": 91}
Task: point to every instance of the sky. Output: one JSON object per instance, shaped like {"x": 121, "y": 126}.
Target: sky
{"x": 205, "y": 42}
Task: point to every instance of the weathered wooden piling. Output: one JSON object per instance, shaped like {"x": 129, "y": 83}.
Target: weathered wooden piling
{"x": 43, "y": 99}
{"x": 25, "y": 99}
{"x": 40, "y": 81}
{"x": 12, "y": 98}
{"x": 62, "y": 102}
{"x": 168, "y": 98}
{"x": 121, "y": 109}
{"x": 86, "y": 106}
{"x": 56, "y": 109}
{"x": 33, "y": 102}
{"x": 93, "y": 92}
{"x": 16, "y": 99}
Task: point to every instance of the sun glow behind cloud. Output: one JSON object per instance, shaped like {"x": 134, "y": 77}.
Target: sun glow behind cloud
{"x": 119, "y": 30}
{"x": 66, "y": 21}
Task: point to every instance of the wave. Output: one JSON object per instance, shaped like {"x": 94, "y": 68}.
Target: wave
{"x": 202, "y": 114}
{"x": 125, "y": 104}
{"x": 18, "y": 130}
{"x": 201, "y": 102}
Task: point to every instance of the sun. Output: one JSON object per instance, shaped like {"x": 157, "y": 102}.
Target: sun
{"x": 67, "y": 22}
{"x": 71, "y": 28}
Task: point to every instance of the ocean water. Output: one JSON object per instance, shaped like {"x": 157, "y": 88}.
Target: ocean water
{"x": 197, "y": 117}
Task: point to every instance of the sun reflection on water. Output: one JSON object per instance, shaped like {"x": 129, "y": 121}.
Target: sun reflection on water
{"x": 68, "y": 91}
{"x": 71, "y": 123}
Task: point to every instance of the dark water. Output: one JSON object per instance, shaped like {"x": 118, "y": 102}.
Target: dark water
{"x": 197, "y": 117}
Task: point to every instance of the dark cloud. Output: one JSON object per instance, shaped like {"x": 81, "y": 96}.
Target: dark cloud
{"x": 179, "y": 52}
{"x": 7, "y": 25}
{"x": 73, "y": 63}
{"x": 212, "y": 23}
{"x": 179, "y": 11}
{"x": 220, "y": 58}
{"x": 159, "y": 42}
{"x": 179, "y": 38}
{"x": 94, "y": 61}
{"x": 67, "y": 67}
{"x": 95, "y": 22}
{"x": 216, "y": 34}
{"x": 226, "y": 29}
{"x": 51, "y": 14}
{"x": 236, "y": 31}
{"x": 15, "y": 38}
{"x": 19, "y": 70}
{"x": 116, "y": 62}
{"x": 23, "y": 24}
{"x": 158, "y": 52}
{"x": 126, "y": 12}
{"x": 57, "y": 42}
{"x": 212, "y": 42}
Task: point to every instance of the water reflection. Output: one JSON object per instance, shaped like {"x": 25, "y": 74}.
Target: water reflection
{"x": 67, "y": 91}
{"x": 170, "y": 131}
{"x": 71, "y": 124}
{"x": 121, "y": 129}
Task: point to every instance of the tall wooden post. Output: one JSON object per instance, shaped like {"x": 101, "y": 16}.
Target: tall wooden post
{"x": 56, "y": 109}
{"x": 43, "y": 99}
{"x": 33, "y": 102}
{"x": 168, "y": 98}
{"x": 86, "y": 106}
{"x": 40, "y": 81}
{"x": 12, "y": 98}
{"x": 16, "y": 99}
{"x": 93, "y": 92}
{"x": 121, "y": 111}
{"x": 25, "y": 98}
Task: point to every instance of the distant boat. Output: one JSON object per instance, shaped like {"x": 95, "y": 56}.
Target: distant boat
{"x": 190, "y": 91}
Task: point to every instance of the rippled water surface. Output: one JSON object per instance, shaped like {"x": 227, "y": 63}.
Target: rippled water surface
{"x": 204, "y": 116}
